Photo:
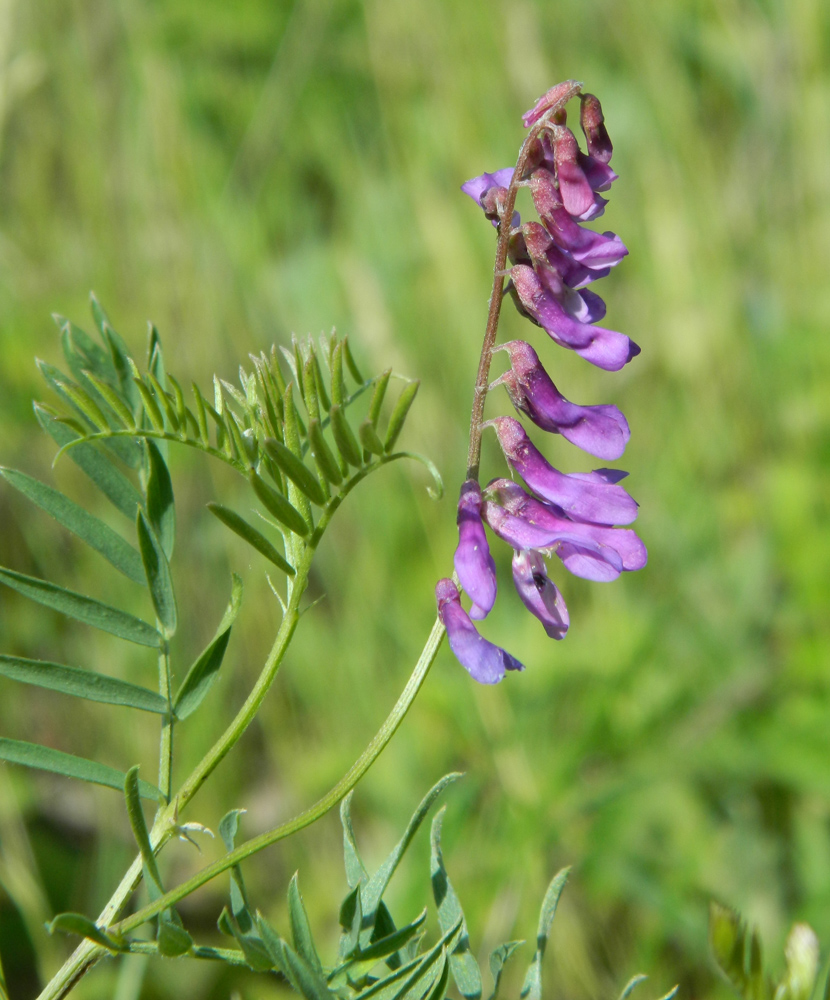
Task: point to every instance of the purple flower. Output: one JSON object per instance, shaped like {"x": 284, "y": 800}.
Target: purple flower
{"x": 484, "y": 661}
{"x": 534, "y": 244}
{"x": 489, "y": 191}
{"x": 539, "y": 593}
{"x": 582, "y": 496}
{"x": 576, "y": 193}
{"x": 592, "y": 121}
{"x": 604, "y": 348}
{"x": 592, "y": 551}
{"x": 601, "y": 430}
{"x": 594, "y": 250}
{"x": 473, "y": 562}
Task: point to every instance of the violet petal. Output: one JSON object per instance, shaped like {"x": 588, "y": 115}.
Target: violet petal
{"x": 473, "y": 562}
{"x": 477, "y": 187}
{"x": 581, "y": 497}
{"x": 600, "y": 430}
{"x": 539, "y": 594}
{"x": 484, "y": 661}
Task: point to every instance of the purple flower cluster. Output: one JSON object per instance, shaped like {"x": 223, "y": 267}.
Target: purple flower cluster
{"x": 575, "y": 516}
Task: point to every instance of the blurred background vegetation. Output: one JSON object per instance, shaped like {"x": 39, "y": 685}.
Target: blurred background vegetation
{"x": 236, "y": 172}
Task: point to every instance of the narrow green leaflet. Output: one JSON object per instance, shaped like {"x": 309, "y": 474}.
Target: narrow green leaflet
{"x": 276, "y": 504}
{"x": 115, "y": 486}
{"x": 355, "y": 870}
{"x": 81, "y": 608}
{"x": 306, "y": 980}
{"x": 399, "y": 414}
{"x": 498, "y": 960}
{"x": 439, "y": 990}
{"x": 160, "y": 504}
{"x": 139, "y": 825}
{"x": 159, "y": 579}
{"x": 300, "y": 928}
{"x": 77, "y": 923}
{"x": 79, "y": 347}
{"x": 293, "y": 467}
{"x": 81, "y": 683}
{"x": 257, "y": 954}
{"x": 631, "y": 985}
{"x": 427, "y": 967}
{"x": 351, "y": 917}
{"x": 464, "y": 967}
{"x": 532, "y": 986}
{"x": 376, "y": 886}
{"x": 240, "y": 527}
{"x": 205, "y": 669}
{"x": 46, "y": 759}
{"x": 88, "y": 528}
{"x": 360, "y": 961}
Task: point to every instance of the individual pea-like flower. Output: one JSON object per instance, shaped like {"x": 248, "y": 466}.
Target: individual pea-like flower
{"x": 601, "y": 430}
{"x": 484, "y": 661}
{"x": 473, "y": 562}
{"x": 580, "y": 517}
{"x": 539, "y": 593}
{"x": 607, "y": 349}
{"x": 593, "y": 551}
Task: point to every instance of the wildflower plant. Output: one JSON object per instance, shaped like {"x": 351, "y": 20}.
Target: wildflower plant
{"x": 303, "y": 427}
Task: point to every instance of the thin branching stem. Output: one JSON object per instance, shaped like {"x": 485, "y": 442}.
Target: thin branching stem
{"x": 167, "y": 722}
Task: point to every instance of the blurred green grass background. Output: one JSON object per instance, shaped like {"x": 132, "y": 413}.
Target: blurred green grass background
{"x": 236, "y": 172}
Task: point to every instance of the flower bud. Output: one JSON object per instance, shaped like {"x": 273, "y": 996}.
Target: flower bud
{"x": 592, "y": 121}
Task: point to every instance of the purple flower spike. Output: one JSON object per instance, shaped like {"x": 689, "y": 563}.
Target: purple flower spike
{"x": 473, "y": 562}
{"x": 484, "y": 661}
{"x": 607, "y": 349}
{"x": 539, "y": 594}
{"x": 581, "y": 496}
{"x": 600, "y": 430}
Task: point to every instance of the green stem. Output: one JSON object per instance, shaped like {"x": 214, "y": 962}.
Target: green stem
{"x": 88, "y": 953}
{"x": 505, "y": 227}
{"x": 166, "y": 740}
{"x": 231, "y": 956}
{"x": 313, "y": 813}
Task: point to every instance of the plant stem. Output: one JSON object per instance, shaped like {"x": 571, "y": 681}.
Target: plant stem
{"x": 313, "y": 813}
{"x": 505, "y": 227}
{"x": 166, "y": 740}
{"x": 88, "y": 953}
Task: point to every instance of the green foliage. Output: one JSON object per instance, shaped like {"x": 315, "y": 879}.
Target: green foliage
{"x": 738, "y": 953}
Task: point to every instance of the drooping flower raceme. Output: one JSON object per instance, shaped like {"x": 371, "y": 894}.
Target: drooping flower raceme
{"x": 578, "y": 516}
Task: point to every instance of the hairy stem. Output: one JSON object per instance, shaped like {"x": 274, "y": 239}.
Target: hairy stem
{"x": 505, "y": 226}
